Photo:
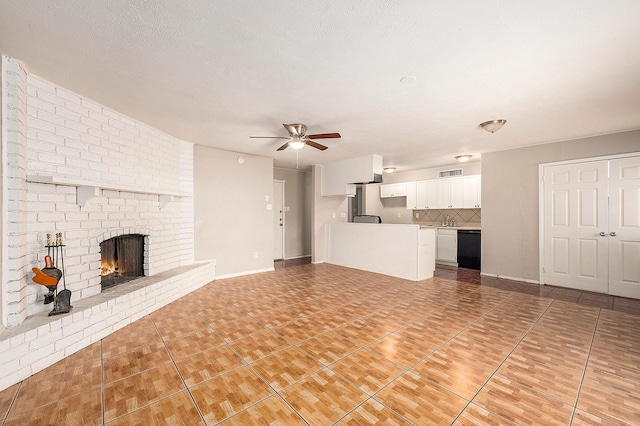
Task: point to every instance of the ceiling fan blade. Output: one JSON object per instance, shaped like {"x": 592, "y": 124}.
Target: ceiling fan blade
{"x": 325, "y": 136}
{"x": 267, "y": 137}
{"x": 316, "y": 145}
{"x": 283, "y": 147}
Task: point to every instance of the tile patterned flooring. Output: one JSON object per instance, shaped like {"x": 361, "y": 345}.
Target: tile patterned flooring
{"x": 325, "y": 345}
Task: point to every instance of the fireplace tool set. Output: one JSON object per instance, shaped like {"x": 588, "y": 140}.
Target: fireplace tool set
{"x": 50, "y": 277}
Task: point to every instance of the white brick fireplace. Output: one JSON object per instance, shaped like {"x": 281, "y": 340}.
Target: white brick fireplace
{"x": 75, "y": 167}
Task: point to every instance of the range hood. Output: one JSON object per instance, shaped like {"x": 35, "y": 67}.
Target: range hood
{"x": 340, "y": 178}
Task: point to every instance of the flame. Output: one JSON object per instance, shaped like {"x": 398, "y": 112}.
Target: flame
{"x": 107, "y": 268}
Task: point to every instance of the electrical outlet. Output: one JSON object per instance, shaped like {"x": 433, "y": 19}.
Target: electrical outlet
{"x": 399, "y": 214}
{"x": 343, "y": 215}
{"x": 417, "y": 215}
{"x": 255, "y": 254}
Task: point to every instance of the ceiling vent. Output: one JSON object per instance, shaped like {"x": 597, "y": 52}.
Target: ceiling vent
{"x": 450, "y": 173}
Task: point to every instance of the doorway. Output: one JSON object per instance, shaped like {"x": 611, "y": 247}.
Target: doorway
{"x": 278, "y": 219}
{"x": 590, "y": 225}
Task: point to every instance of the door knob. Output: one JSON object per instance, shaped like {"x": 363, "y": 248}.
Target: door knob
{"x": 613, "y": 234}
{"x": 603, "y": 234}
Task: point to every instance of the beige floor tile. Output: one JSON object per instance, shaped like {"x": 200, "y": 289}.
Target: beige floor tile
{"x": 208, "y": 364}
{"x": 560, "y": 384}
{"x": 400, "y": 350}
{"x": 454, "y": 374}
{"x": 184, "y": 346}
{"x": 228, "y": 394}
{"x": 582, "y": 418}
{"x": 259, "y": 345}
{"x": 56, "y": 383}
{"x": 301, "y": 329}
{"x": 421, "y": 401}
{"x": 6, "y": 398}
{"x": 328, "y": 347}
{"x": 361, "y": 332}
{"x": 371, "y": 412}
{"x": 286, "y": 367}
{"x": 367, "y": 370}
{"x": 323, "y": 397}
{"x": 481, "y": 354}
{"x": 81, "y": 409}
{"x": 522, "y": 405}
{"x": 177, "y": 409}
{"x": 610, "y": 403}
{"x": 138, "y": 360}
{"x": 181, "y": 327}
{"x": 240, "y": 328}
{"x": 271, "y": 411}
{"x": 129, "y": 394}
{"x": 139, "y": 333}
{"x": 477, "y": 416}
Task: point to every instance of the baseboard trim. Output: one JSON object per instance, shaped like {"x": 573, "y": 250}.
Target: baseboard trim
{"x": 240, "y": 274}
{"x": 506, "y": 277}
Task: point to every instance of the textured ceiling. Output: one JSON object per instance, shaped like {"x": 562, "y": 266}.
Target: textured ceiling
{"x": 217, "y": 72}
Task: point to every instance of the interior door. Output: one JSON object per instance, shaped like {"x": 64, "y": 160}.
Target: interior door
{"x": 576, "y": 234}
{"x": 278, "y": 219}
{"x": 624, "y": 227}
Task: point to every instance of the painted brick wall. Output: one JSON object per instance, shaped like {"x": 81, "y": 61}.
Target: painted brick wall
{"x": 54, "y": 132}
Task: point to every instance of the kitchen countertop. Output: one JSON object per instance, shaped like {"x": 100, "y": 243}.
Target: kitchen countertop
{"x": 464, "y": 228}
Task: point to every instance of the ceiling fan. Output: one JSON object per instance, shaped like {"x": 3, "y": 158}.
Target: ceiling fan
{"x": 298, "y": 137}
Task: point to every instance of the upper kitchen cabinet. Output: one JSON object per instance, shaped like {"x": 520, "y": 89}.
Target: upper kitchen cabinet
{"x": 450, "y": 195}
{"x": 412, "y": 196}
{"x": 427, "y": 194}
{"x": 471, "y": 192}
{"x": 393, "y": 190}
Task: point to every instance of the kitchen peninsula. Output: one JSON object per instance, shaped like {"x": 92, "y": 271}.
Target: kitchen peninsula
{"x": 400, "y": 250}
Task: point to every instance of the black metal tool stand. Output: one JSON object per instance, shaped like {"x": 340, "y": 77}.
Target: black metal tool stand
{"x": 61, "y": 299}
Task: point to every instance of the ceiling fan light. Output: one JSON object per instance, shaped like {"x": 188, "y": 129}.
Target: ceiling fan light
{"x": 296, "y": 143}
{"x": 463, "y": 158}
{"x": 493, "y": 126}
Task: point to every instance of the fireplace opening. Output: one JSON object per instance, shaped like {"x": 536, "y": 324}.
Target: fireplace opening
{"x": 121, "y": 259}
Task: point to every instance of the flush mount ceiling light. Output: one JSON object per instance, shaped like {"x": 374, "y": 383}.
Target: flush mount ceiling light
{"x": 493, "y": 126}
{"x": 389, "y": 169}
{"x": 464, "y": 158}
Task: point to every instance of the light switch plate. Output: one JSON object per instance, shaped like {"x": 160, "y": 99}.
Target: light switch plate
{"x": 269, "y": 207}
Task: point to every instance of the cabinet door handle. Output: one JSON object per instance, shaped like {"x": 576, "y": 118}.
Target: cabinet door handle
{"x": 613, "y": 234}
{"x": 603, "y": 234}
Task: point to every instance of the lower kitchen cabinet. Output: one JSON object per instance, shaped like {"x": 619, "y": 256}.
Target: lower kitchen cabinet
{"x": 447, "y": 246}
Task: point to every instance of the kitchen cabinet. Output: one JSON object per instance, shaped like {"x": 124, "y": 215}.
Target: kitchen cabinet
{"x": 471, "y": 192}
{"x": 447, "y": 246}
{"x": 450, "y": 193}
{"x": 393, "y": 190}
{"x": 412, "y": 196}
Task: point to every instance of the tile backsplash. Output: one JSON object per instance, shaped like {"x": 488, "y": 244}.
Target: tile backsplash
{"x": 462, "y": 217}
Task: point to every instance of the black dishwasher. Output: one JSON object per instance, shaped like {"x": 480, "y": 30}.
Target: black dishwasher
{"x": 469, "y": 243}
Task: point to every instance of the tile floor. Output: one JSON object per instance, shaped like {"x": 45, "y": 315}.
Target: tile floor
{"x": 323, "y": 345}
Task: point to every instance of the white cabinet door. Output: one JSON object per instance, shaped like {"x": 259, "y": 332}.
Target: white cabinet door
{"x": 624, "y": 227}
{"x": 576, "y": 226}
{"x": 412, "y": 200}
{"x": 427, "y": 194}
{"x": 471, "y": 192}
{"x": 450, "y": 193}
{"x": 447, "y": 245}
{"x": 393, "y": 190}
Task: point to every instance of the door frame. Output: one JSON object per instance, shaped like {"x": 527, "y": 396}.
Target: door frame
{"x": 281, "y": 207}
{"x": 541, "y": 205}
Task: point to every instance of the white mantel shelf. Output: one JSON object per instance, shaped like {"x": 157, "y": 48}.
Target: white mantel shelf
{"x": 87, "y": 189}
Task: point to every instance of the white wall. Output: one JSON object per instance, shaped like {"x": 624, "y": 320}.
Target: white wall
{"x": 297, "y": 223}
{"x": 231, "y": 217}
{"x": 510, "y": 199}
{"x": 325, "y": 209}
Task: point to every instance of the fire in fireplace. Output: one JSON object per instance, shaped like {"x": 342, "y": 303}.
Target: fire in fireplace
{"x": 122, "y": 259}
